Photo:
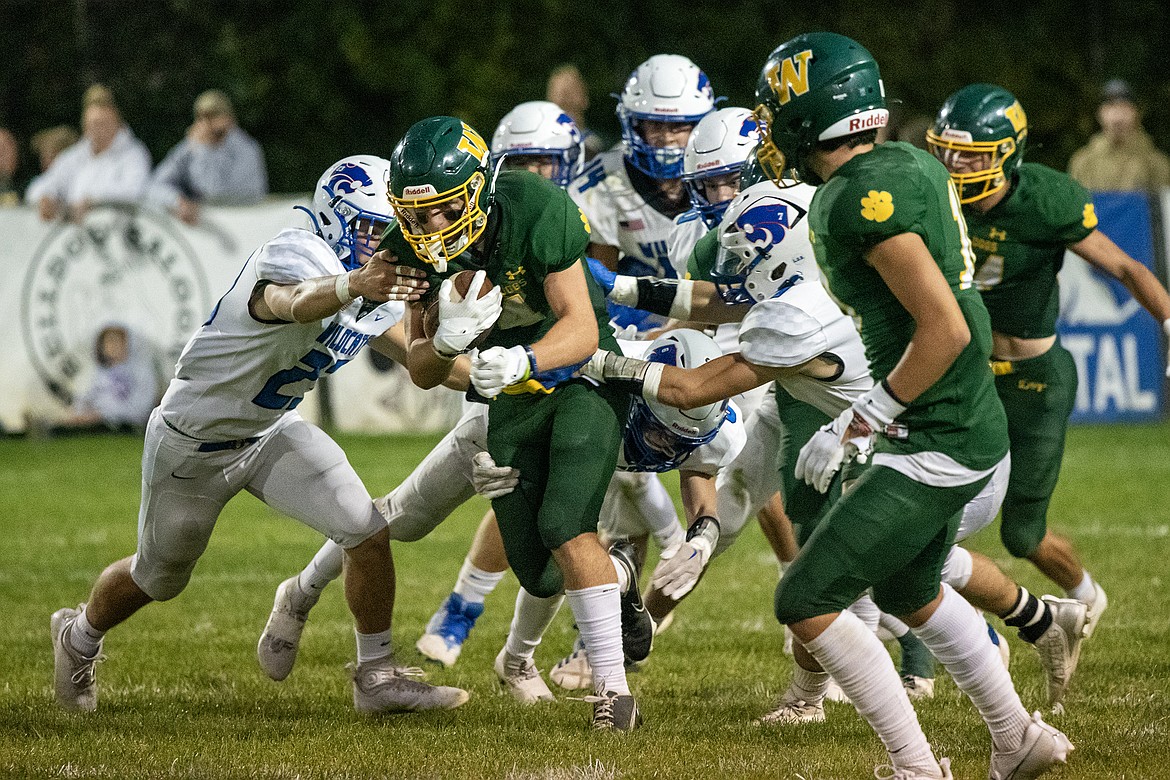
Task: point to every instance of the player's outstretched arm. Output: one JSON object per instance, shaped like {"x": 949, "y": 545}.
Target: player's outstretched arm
{"x": 1099, "y": 250}
{"x": 682, "y": 388}
{"x": 682, "y": 299}
{"x": 324, "y": 296}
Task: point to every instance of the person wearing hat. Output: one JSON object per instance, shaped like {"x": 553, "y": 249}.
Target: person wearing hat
{"x": 216, "y": 163}
{"x": 1122, "y": 156}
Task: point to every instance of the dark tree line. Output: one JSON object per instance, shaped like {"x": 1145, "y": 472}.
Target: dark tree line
{"x": 316, "y": 79}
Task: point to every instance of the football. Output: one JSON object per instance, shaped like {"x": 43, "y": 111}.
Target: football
{"x": 461, "y": 282}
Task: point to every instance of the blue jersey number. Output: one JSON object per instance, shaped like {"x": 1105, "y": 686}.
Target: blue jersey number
{"x": 315, "y": 363}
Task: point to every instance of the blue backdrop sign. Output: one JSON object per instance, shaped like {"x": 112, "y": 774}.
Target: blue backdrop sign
{"x": 1117, "y": 345}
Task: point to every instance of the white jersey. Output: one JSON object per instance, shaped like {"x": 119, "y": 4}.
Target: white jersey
{"x": 237, "y": 377}
{"x": 802, "y": 324}
{"x": 619, "y": 216}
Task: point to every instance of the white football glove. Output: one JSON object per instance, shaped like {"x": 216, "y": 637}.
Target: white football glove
{"x": 492, "y": 481}
{"x": 494, "y": 369}
{"x": 677, "y": 575}
{"x": 461, "y": 322}
{"x": 849, "y": 436}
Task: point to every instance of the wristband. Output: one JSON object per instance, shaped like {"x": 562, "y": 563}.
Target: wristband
{"x": 880, "y": 404}
{"x": 680, "y": 309}
{"x": 531, "y": 360}
{"x": 341, "y": 289}
{"x": 651, "y": 380}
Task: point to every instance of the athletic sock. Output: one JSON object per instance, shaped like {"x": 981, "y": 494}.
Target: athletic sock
{"x": 598, "y": 613}
{"x": 623, "y": 578}
{"x": 474, "y": 584}
{"x": 896, "y": 627}
{"x": 916, "y": 658}
{"x": 958, "y": 638}
{"x": 1085, "y": 591}
{"x": 807, "y": 686}
{"x": 529, "y": 621}
{"x": 1029, "y": 615}
{"x": 867, "y": 611}
{"x": 653, "y": 502}
{"x": 859, "y": 663}
{"x": 84, "y": 638}
{"x": 371, "y": 647}
{"x": 323, "y": 569}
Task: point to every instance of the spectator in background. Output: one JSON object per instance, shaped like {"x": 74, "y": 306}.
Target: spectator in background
{"x": 216, "y": 163}
{"x": 9, "y": 159}
{"x": 567, "y": 89}
{"x": 48, "y": 144}
{"x": 1122, "y": 156}
{"x": 108, "y": 164}
{"x": 122, "y": 393}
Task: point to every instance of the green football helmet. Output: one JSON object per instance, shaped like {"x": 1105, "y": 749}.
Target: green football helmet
{"x": 979, "y": 119}
{"x": 441, "y": 166}
{"x": 815, "y": 87}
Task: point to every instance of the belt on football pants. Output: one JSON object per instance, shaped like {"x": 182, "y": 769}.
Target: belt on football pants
{"x": 215, "y": 446}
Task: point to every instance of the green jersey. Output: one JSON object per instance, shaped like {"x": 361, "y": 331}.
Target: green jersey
{"x": 1019, "y": 247}
{"x": 702, "y": 259}
{"x": 534, "y": 229}
{"x": 891, "y": 190}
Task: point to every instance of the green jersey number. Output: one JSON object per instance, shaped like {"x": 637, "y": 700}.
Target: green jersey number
{"x": 967, "y": 276}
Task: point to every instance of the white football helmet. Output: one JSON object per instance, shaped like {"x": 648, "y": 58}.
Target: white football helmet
{"x": 659, "y": 437}
{"x": 719, "y": 145}
{"x": 764, "y": 247}
{"x": 352, "y": 190}
{"x": 664, "y": 88}
{"x": 541, "y": 128}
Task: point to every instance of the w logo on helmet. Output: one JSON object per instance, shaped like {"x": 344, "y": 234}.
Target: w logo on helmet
{"x": 749, "y": 127}
{"x": 473, "y": 143}
{"x": 766, "y": 224}
{"x": 789, "y": 76}
{"x": 348, "y": 178}
{"x": 570, "y": 125}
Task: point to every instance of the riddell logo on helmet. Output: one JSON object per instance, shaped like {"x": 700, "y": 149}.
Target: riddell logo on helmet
{"x": 421, "y": 189}
{"x": 867, "y": 122}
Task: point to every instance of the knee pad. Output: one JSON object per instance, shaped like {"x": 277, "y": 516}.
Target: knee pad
{"x": 161, "y": 583}
{"x": 957, "y": 568}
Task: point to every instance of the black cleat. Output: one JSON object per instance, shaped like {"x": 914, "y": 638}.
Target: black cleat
{"x": 637, "y": 624}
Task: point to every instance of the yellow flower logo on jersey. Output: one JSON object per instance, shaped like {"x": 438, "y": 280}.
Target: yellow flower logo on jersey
{"x": 877, "y": 206}
{"x": 585, "y": 220}
{"x": 1090, "y": 216}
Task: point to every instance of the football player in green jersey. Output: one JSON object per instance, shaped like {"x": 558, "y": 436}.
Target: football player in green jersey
{"x": 1021, "y": 217}
{"x": 889, "y": 235}
{"x": 456, "y": 212}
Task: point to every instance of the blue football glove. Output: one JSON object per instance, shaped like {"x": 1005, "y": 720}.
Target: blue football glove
{"x": 601, "y": 274}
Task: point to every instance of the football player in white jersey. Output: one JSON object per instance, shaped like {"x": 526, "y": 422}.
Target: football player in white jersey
{"x": 303, "y": 305}
{"x": 792, "y": 332}
{"x": 631, "y": 196}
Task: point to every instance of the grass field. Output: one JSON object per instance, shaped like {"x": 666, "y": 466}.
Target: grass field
{"x": 183, "y": 697}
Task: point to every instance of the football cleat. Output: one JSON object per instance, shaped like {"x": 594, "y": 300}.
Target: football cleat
{"x": 277, "y": 649}
{"x": 74, "y": 678}
{"x": 1098, "y": 606}
{"x": 573, "y": 672}
{"x": 1059, "y": 646}
{"x": 1042, "y": 748}
{"x": 521, "y": 678}
{"x": 614, "y": 711}
{"x": 887, "y": 772}
{"x": 637, "y": 624}
{"x": 835, "y": 694}
{"x": 792, "y": 710}
{"x": 918, "y": 687}
{"x": 380, "y": 686}
{"x": 447, "y": 630}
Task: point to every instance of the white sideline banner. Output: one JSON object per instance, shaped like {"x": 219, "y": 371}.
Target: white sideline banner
{"x": 144, "y": 269}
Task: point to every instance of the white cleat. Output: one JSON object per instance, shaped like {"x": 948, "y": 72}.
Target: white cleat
{"x": 277, "y": 649}
{"x": 1042, "y": 748}
{"x": 1059, "y": 647}
{"x": 887, "y": 772}
{"x": 380, "y": 686}
{"x": 74, "y": 681}
{"x": 835, "y": 694}
{"x": 1100, "y": 602}
{"x": 791, "y": 711}
{"x": 573, "y": 672}
{"x": 918, "y": 688}
{"x": 521, "y": 678}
